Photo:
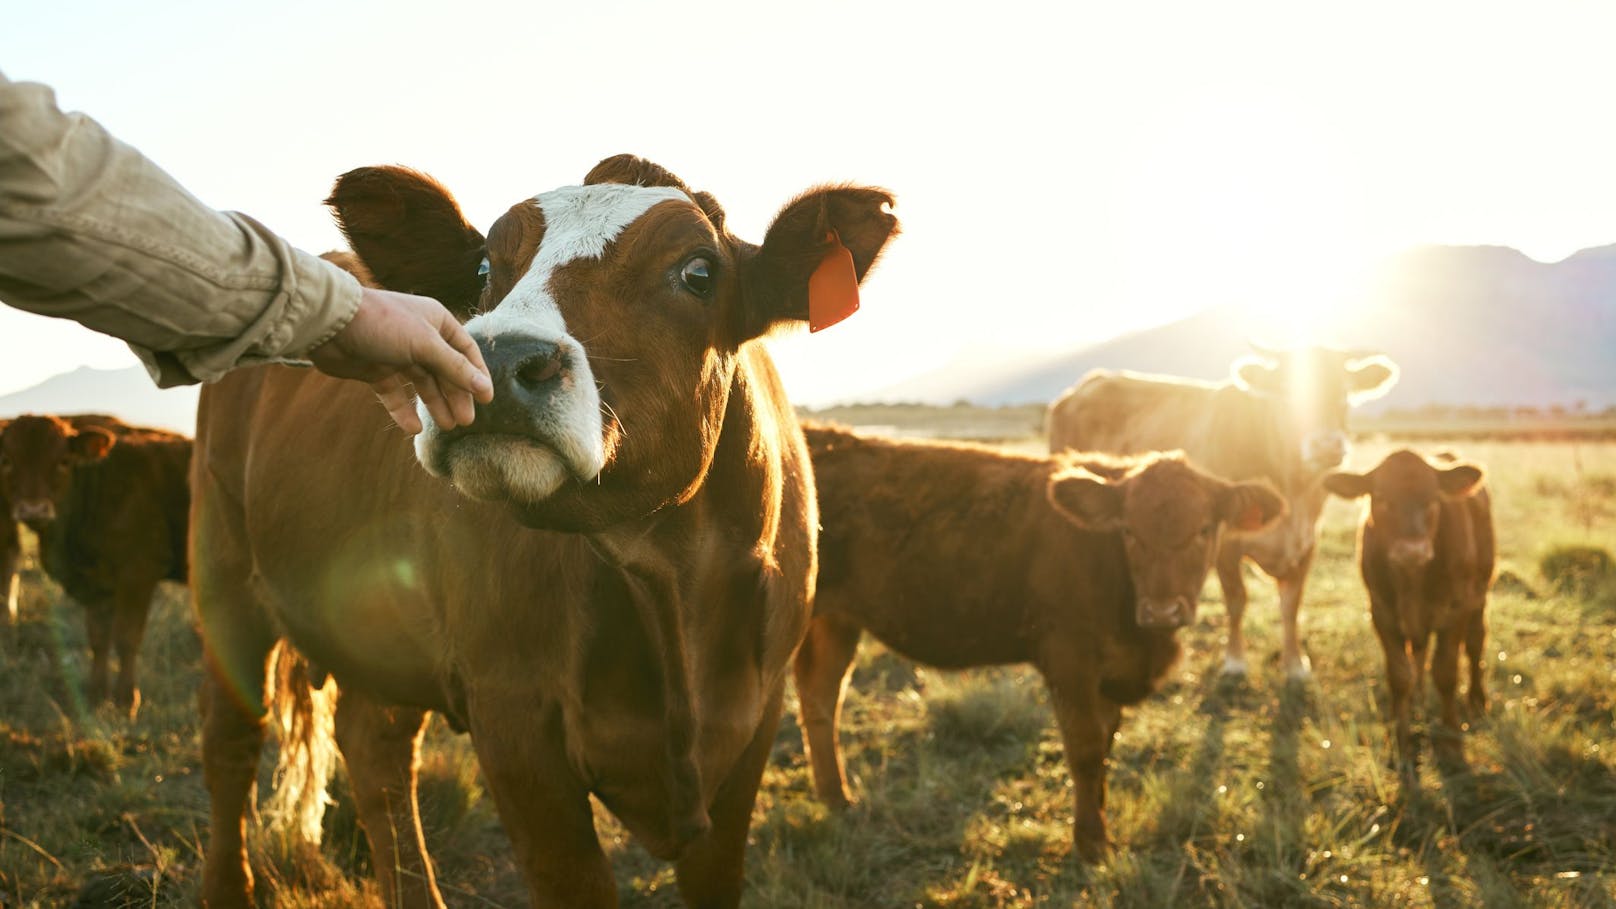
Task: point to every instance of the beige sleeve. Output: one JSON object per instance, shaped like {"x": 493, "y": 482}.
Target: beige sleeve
{"x": 91, "y": 230}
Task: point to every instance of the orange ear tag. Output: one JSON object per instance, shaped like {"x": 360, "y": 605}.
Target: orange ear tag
{"x": 833, "y": 292}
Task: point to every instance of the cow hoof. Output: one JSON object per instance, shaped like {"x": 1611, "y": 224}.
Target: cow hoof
{"x": 1233, "y": 668}
{"x": 1300, "y": 672}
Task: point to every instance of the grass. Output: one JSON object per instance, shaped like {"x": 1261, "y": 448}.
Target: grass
{"x": 1254, "y": 794}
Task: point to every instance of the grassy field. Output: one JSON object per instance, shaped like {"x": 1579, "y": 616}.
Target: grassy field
{"x": 1250, "y": 794}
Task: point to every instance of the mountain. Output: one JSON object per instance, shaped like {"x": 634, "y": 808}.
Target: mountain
{"x": 124, "y": 393}
{"x": 1477, "y": 325}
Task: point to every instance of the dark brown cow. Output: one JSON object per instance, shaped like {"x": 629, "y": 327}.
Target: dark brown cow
{"x": 1426, "y": 551}
{"x": 1281, "y": 418}
{"x": 109, "y": 503}
{"x": 635, "y": 648}
{"x": 960, "y": 556}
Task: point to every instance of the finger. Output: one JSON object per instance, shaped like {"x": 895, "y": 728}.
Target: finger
{"x": 457, "y": 359}
{"x": 395, "y": 394}
{"x": 461, "y": 404}
{"x": 427, "y": 389}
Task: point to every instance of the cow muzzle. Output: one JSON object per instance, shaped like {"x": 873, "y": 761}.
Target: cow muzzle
{"x": 542, "y": 426}
{"x": 1411, "y": 553}
{"x": 1160, "y": 614}
{"x": 34, "y": 511}
{"x": 1325, "y": 451}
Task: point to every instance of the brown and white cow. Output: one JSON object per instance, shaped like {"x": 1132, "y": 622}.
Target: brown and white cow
{"x": 960, "y": 556}
{"x": 606, "y": 590}
{"x": 1426, "y": 552}
{"x": 109, "y": 504}
{"x": 1282, "y": 417}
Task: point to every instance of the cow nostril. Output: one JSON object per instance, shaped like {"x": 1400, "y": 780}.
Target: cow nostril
{"x": 539, "y": 369}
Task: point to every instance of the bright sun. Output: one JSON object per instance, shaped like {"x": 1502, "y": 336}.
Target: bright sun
{"x": 1246, "y": 206}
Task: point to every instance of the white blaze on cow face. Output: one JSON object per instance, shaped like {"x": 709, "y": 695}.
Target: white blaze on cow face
{"x": 568, "y": 437}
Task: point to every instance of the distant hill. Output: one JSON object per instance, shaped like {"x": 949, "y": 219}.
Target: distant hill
{"x": 125, "y": 393}
{"x": 1482, "y": 325}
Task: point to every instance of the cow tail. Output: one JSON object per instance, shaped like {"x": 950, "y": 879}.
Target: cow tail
{"x": 303, "y": 716}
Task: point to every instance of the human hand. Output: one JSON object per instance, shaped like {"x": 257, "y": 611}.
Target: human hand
{"x": 397, "y": 340}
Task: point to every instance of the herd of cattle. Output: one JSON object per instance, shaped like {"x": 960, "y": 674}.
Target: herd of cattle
{"x": 636, "y": 538}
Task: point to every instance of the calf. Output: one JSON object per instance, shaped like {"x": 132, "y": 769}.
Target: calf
{"x": 607, "y": 595}
{"x": 1425, "y": 548}
{"x": 1281, "y": 417}
{"x": 109, "y": 504}
{"x": 961, "y": 556}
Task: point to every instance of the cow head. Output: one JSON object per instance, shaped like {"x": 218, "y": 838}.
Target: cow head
{"x": 612, "y": 316}
{"x": 1170, "y": 515}
{"x": 37, "y": 457}
{"x": 1405, "y": 501}
{"x": 1316, "y": 386}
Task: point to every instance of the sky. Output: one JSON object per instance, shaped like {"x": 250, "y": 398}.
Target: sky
{"x": 1065, "y": 172}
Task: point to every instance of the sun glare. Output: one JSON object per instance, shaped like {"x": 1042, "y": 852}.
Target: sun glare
{"x": 1247, "y": 207}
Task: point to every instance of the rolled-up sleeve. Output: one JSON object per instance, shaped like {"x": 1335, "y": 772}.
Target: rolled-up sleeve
{"x": 91, "y": 230}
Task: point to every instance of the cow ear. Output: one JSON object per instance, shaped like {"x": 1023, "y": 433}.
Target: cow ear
{"x": 409, "y": 233}
{"x": 1250, "y": 507}
{"x": 1087, "y": 500}
{"x": 805, "y": 233}
{"x": 90, "y": 444}
{"x": 1347, "y": 485}
{"x": 1256, "y": 374}
{"x": 1460, "y": 481}
{"x": 1369, "y": 379}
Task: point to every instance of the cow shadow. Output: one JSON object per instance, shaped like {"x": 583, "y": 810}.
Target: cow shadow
{"x": 1513, "y": 829}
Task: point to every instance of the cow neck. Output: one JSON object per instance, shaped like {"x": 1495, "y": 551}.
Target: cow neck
{"x": 653, "y": 556}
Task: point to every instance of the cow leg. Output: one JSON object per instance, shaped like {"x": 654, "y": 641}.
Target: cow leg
{"x": 710, "y": 870}
{"x": 381, "y": 746}
{"x": 1476, "y": 656}
{"x": 821, "y": 670}
{"x": 544, "y": 807}
{"x": 131, "y": 607}
{"x": 1445, "y": 673}
{"x": 1087, "y": 723}
{"x": 10, "y": 577}
{"x": 1400, "y": 683}
{"x": 237, "y": 639}
{"x": 1233, "y": 583}
{"x": 1291, "y": 585}
{"x": 98, "y": 627}
{"x": 232, "y": 736}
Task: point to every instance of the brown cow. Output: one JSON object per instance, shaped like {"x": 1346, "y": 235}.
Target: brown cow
{"x": 960, "y": 556}
{"x": 1426, "y": 551}
{"x": 635, "y": 648}
{"x": 1281, "y": 418}
{"x": 109, "y": 503}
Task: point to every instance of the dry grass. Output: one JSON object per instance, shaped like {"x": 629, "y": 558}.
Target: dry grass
{"x": 1256, "y": 794}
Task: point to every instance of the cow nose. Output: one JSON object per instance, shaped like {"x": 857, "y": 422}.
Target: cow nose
{"x": 526, "y": 372}
{"x": 1172, "y": 612}
{"x": 1411, "y": 553}
{"x": 1328, "y": 451}
{"x": 34, "y": 511}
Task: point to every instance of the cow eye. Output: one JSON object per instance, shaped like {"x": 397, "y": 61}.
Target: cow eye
{"x": 697, "y": 276}
{"x": 1208, "y": 531}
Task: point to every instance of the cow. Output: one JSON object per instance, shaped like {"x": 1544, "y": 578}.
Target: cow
{"x": 1281, "y": 417}
{"x": 109, "y": 503}
{"x": 959, "y": 556}
{"x": 604, "y": 576}
{"x": 1426, "y": 551}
